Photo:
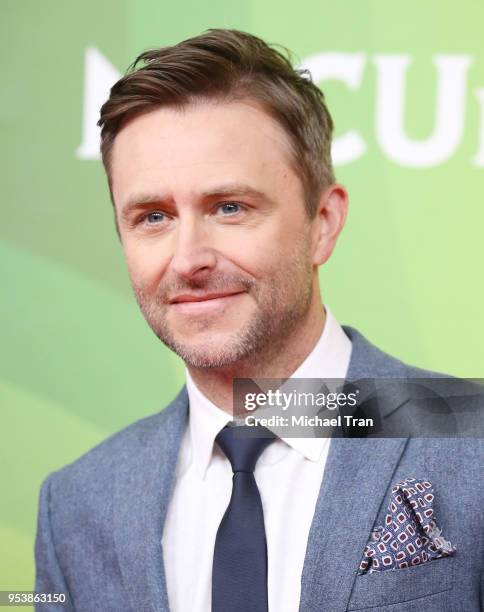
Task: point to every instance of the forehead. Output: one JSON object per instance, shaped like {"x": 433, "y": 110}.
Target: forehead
{"x": 186, "y": 150}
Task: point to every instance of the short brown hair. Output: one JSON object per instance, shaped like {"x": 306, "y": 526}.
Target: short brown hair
{"x": 228, "y": 65}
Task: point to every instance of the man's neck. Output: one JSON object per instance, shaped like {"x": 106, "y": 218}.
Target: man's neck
{"x": 217, "y": 384}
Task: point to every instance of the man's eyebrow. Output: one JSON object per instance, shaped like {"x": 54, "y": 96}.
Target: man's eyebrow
{"x": 140, "y": 200}
{"x": 240, "y": 189}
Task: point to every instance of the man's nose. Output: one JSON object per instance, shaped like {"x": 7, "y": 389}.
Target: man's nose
{"x": 193, "y": 254}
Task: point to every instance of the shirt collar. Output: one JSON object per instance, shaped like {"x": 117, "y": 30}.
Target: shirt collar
{"x": 329, "y": 359}
{"x": 205, "y": 422}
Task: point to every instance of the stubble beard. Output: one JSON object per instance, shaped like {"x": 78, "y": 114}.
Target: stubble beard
{"x": 283, "y": 301}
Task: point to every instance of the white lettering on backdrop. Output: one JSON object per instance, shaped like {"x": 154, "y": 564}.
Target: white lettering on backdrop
{"x": 348, "y": 68}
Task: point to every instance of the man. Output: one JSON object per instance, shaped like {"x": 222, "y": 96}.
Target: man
{"x": 217, "y": 155}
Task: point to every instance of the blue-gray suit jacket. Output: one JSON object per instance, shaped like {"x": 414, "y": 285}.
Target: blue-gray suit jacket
{"x": 101, "y": 518}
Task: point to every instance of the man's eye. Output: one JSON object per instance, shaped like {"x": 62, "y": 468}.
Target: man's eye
{"x": 229, "y": 208}
{"x": 154, "y": 218}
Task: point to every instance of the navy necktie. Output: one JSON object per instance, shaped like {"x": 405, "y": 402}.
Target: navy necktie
{"x": 239, "y": 575}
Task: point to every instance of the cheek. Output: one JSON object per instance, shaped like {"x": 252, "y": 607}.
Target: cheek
{"x": 280, "y": 247}
{"x": 146, "y": 264}
{"x": 254, "y": 252}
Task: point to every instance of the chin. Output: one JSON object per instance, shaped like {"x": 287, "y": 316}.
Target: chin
{"x": 209, "y": 352}
{"x": 203, "y": 359}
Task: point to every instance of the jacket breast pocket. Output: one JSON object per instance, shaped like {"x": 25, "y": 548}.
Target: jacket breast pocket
{"x": 402, "y": 585}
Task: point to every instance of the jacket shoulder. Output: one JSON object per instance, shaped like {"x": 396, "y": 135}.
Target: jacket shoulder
{"x": 369, "y": 361}
{"x": 97, "y": 466}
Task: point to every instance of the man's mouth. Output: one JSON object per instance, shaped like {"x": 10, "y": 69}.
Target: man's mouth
{"x": 202, "y": 297}
{"x": 204, "y": 303}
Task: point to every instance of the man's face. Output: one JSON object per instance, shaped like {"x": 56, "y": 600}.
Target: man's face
{"x": 216, "y": 236}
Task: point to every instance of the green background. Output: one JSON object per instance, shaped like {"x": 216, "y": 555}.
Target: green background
{"x": 78, "y": 361}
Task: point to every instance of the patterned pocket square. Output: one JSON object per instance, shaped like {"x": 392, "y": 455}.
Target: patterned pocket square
{"x": 410, "y": 535}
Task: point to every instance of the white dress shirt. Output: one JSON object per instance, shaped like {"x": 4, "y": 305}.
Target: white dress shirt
{"x": 288, "y": 475}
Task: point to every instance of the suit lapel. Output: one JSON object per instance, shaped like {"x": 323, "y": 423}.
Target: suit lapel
{"x": 357, "y": 475}
{"x": 142, "y": 489}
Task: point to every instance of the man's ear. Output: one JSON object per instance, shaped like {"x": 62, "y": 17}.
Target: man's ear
{"x": 328, "y": 222}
